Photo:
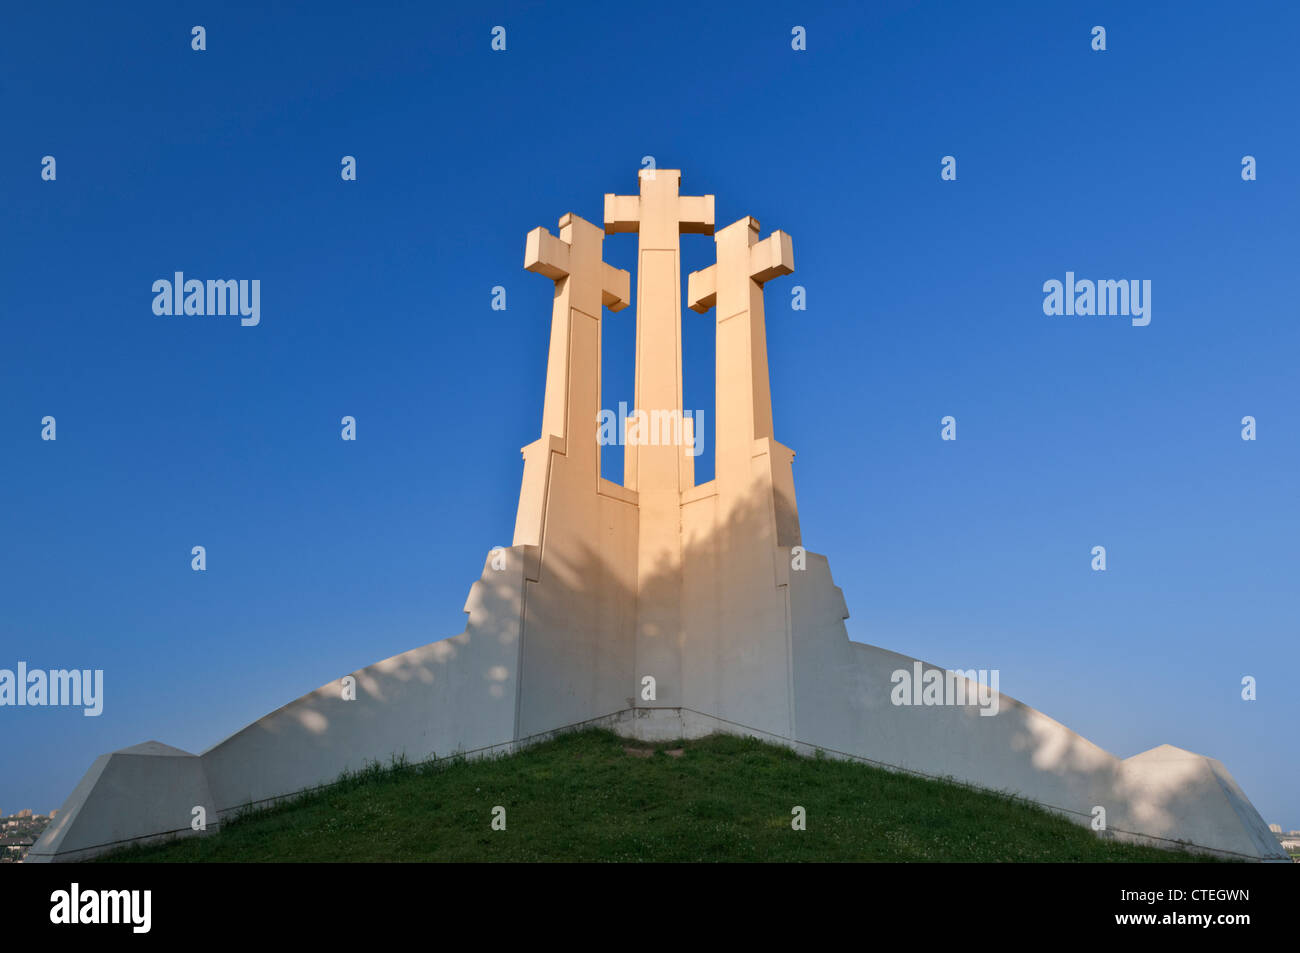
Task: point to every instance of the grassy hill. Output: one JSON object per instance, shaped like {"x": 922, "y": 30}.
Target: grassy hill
{"x": 592, "y": 796}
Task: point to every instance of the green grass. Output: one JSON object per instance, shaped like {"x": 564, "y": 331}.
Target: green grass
{"x": 582, "y": 797}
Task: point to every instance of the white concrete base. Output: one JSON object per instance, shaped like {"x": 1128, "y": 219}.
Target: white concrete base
{"x": 140, "y": 794}
{"x": 438, "y": 700}
{"x": 453, "y": 696}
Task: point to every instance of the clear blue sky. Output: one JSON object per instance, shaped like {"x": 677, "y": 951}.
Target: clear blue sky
{"x": 924, "y": 299}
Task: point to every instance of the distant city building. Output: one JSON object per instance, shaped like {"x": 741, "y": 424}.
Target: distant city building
{"x": 20, "y": 832}
{"x": 1275, "y": 828}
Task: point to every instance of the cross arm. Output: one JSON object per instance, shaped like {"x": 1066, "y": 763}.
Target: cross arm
{"x": 615, "y": 288}
{"x": 771, "y": 258}
{"x": 768, "y": 259}
{"x": 544, "y": 254}
{"x": 694, "y": 214}
{"x": 702, "y": 289}
{"x": 622, "y": 213}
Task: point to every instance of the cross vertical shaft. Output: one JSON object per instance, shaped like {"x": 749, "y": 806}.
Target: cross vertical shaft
{"x": 734, "y": 288}
{"x": 656, "y": 470}
{"x": 584, "y": 283}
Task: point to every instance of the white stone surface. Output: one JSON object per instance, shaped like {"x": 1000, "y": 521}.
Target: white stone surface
{"x": 140, "y": 794}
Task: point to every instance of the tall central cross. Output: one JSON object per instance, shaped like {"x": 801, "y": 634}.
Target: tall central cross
{"x": 656, "y": 470}
{"x": 659, "y": 215}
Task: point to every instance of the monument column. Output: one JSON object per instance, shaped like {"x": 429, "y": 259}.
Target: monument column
{"x": 656, "y": 470}
{"x": 734, "y": 288}
{"x": 584, "y": 283}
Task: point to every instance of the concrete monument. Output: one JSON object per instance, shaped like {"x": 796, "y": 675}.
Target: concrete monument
{"x": 662, "y": 608}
